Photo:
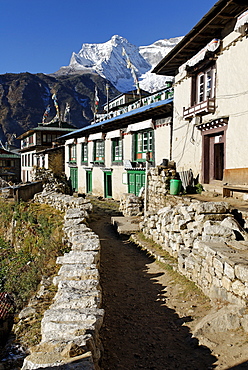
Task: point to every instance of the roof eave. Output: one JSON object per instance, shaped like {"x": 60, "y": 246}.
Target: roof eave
{"x": 166, "y": 66}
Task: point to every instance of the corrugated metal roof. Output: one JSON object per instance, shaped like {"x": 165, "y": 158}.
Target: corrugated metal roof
{"x": 135, "y": 112}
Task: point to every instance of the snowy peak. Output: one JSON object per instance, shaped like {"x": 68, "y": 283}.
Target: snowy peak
{"x": 108, "y": 60}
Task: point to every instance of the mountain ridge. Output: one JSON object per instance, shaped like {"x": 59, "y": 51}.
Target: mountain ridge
{"x": 24, "y": 96}
{"x": 107, "y": 60}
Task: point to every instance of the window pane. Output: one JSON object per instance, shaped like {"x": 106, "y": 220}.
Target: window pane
{"x": 201, "y": 88}
{"x": 99, "y": 145}
{"x": 150, "y": 146}
{"x": 72, "y": 152}
{"x": 145, "y": 142}
{"x": 139, "y": 142}
{"x": 84, "y": 153}
{"x": 117, "y": 149}
{"x": 208, "y": 84}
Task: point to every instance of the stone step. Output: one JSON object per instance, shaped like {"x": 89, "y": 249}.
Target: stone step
{"x": 85, "y": 285}
{"x": 66, "y": 323}
{"x": 76, "y": 272}
{"x": 78, "y": 244}
{"x": 72, "y": 294}
{"x": 87, "y": 258}
{"x": 91, "y": 301}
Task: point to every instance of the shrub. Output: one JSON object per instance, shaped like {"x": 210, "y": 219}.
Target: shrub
{"x": 34, "y": 234}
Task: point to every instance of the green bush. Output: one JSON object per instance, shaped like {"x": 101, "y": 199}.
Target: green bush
{"x": 35, "y": 234}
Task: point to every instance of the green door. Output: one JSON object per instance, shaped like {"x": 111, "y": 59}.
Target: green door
{"x": 88, "y": 182}
{"x": 136, "y": 180}
{"x": 131, "y": 183}
{"x": 108, "y": 184}
{"x": 74, "y": 178}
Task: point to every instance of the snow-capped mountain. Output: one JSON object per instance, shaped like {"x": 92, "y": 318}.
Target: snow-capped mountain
{"x": 109, "y": 61}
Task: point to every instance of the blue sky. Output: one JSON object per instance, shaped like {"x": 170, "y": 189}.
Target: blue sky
{"x": 40, "y": 35}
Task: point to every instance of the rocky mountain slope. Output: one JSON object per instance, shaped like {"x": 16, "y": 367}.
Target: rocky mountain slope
{"x": 24, "y": 98}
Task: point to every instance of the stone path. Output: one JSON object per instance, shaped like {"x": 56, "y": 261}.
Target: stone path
{"x": 140, "y": 331}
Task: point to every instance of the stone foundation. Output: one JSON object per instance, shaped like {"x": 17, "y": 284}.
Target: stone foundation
{"x": 210, "y": 246}
{"x": 70, "y": 327}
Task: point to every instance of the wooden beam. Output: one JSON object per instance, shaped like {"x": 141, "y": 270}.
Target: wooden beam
{"x": 216, "y": 26}
{"x": 225, "y": 16}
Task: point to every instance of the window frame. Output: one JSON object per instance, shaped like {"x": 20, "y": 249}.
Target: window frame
{"x": 144, "y": 143}
{"x": 72, "y": 153}
{"x": 117, "y": 145}
{"x": 203, "y": 84}
{"x": 84, "y": 153}
{"x": 99, "y": 151}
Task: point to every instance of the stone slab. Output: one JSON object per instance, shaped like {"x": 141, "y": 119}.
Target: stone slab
{"x": 125, "y": 225}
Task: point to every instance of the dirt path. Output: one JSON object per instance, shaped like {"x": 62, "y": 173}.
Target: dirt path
{"x": 140, "y": 331}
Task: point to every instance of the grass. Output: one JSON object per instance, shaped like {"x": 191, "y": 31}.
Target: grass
{"x": 31, "y": 241}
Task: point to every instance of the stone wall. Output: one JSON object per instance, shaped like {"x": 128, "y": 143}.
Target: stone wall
{"x": 131, "y": 205}
{"x": 158, "y": 187}
{"x": 70, "y": 327}
{"x": 210, "y": 246}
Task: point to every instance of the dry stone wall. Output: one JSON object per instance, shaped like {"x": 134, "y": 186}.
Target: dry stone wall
{"x": 158, "y": 188}
{"x": 70, "y": 327}
{"x": 209, "y": 244}
{"x": 131, "y": 205}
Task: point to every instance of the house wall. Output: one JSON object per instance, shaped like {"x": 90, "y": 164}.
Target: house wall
{"x": 25, "y": 169}
{"x": 118, "y": 171}
{"x": 162, "y": 143}
{"x": 231, "y": 102}
{"x": 185, "y": 152}
{"x": 232, "y": 99}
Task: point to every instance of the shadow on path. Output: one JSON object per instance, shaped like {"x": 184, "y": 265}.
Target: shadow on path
{"x": 139, "y": 330}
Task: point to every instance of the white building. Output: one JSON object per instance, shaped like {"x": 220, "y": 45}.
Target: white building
{"x": 108, "y": 158}
{"x": 37, "y": 139}
{"x": 211, "y": 96}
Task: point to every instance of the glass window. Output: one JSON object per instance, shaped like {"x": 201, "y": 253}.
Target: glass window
{"x": 72, "y": 153}
{"x": 144, "y": 144}
{"x": 31, "y": 139}
{"x": 84, "y": 152}
{"x": 117, "y": 149}
{"x": 205, "y": 85}
{"x": 99, "y": 151}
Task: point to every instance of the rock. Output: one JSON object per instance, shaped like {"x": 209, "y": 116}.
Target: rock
{"x": 26, "y": 313}
{"x": 227, "y": 318}
{"x": 212, "y": 207}
{"x": 241, "y": 271}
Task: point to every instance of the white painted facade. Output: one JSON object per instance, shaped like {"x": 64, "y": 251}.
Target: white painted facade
{"x": 109, "y": 173}
{"x": 207, "y": 140}
{"x": 36, "y": 140}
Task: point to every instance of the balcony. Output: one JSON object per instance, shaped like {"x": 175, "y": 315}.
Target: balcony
{"x": 205, "y": 107}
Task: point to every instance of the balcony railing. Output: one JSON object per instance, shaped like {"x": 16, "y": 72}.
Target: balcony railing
{"x": 205, "y": 107}
{"x": 162, "y": 95}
